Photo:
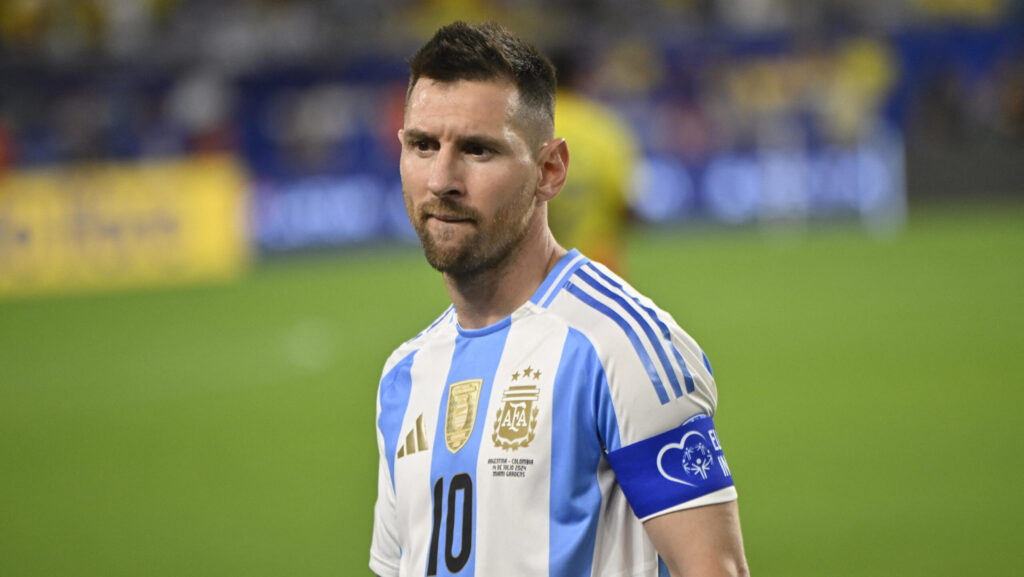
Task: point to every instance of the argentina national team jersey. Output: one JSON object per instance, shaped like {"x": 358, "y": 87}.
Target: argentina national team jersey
{"x": 539, "y": 445}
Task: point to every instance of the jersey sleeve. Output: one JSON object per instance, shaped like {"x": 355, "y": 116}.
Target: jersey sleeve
{"x": 669, "y": 456}
{"x": 385, "y": 551}
{"x": 385, "y": 547}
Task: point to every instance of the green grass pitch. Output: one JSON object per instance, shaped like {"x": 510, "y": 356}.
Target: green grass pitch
{"x": 870, "y": 398}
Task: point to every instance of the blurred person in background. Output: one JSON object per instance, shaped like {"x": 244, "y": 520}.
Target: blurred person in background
{"x": 553, "y": 421}
{"x": 591, "y": 211}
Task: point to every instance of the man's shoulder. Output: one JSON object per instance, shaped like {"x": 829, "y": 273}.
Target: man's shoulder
{"x": 634, "y": 339}
{"x": 436, "y": 329}
{"x": 593, "y": 293}
{"x": 615, "y": 317}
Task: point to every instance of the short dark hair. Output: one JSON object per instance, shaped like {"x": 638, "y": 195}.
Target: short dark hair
{"x": 461, "y": 51}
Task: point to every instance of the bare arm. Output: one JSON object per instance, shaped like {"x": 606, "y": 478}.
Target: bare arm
{"x": 704, "y": 541}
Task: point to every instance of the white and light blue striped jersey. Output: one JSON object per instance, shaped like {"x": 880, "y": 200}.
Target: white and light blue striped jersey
{"x": 539, "y": 445}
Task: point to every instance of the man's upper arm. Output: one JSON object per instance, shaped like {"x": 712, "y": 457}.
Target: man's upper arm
{"x": 384, "y": 548}
{"x": 703, "y": 541}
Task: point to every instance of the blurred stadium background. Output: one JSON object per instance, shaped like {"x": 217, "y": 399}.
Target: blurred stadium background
{"x": 204, "y": 262}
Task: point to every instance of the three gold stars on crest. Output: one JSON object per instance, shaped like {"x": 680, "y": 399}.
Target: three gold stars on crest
{"x": 527, "y": 373}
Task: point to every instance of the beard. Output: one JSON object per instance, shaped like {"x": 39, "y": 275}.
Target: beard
{"x": 489, "y": 243}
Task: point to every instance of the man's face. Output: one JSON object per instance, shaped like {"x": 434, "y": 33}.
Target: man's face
{"x": 468, "y": 173}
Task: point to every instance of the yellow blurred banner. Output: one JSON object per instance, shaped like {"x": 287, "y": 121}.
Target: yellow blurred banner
{"x": 106, "y": 226}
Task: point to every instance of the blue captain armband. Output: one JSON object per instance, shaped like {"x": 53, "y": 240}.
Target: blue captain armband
{"x": 672, "y": 468}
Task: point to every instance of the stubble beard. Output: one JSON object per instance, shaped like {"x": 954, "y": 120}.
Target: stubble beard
{"x": 486, "y": 248}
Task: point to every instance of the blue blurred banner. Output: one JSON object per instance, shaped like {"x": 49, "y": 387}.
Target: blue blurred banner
{"x": 327, "y": 210}
{"x": 779, "y": 185}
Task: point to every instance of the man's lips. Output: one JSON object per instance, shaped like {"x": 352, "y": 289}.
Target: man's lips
{"x": 449, "y": 218}
{"x": 446, "y": 212}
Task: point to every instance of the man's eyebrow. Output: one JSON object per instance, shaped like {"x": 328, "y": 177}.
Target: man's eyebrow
{"x": 479, "y": 140}
{"x": 415, "y": 134}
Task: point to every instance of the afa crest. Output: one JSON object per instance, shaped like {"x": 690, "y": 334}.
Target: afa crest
{"x": 516, "y": 420}
{"x": 463, "y": 398}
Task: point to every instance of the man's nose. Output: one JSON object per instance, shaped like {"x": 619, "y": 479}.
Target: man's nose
{"x": 445, "y": 173}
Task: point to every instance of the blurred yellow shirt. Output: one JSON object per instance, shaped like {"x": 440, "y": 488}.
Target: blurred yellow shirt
{"x": 590, "y": 213}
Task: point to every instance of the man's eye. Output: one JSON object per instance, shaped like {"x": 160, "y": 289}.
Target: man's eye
{"x": 422, "y": 145}
{"x": 477, "y": 150}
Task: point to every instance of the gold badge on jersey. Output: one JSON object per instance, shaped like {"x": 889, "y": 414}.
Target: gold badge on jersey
{"x": 515, "y": 423}
{"x": 463, "y": 398}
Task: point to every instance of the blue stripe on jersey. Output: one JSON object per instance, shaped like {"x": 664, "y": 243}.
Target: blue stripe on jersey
{"x": 663, "y": 568}
{"x": 549, "y": 289}
{"x": 651, "y": 337}
{"x": 575, "y": 498}
{"x": 394, "y": 399}
{"x": 607, "y": 422}
{"x": 687, "y": 377}
{"x": 652, "y": 372}
{"x": 707, "y": 364}
{"x": 476, "y": 356}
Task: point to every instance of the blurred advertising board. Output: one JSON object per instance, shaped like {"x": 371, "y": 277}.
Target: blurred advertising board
{"x": 770, "y": 130}
{"x": 326, "y": 211}
{"x": 776, "y": 132}
{"x": 104, "y": 226}
{"x": 782, "y": 186}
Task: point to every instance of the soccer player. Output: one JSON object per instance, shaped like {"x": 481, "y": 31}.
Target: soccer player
{"x": 591, "y": 211}
{"x": 553, "y": 421}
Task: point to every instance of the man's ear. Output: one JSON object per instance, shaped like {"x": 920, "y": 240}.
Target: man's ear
{"x": 554, "y": 166}
{"x": 401, "y": 132}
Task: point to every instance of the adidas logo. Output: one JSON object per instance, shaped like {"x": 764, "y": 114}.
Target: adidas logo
{"x": 415, "y": 440}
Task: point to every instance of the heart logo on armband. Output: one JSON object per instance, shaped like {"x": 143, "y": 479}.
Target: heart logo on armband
{"x": 688, "y": 462}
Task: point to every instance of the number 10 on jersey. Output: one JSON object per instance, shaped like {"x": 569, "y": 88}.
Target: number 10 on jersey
{"x": 460, "y": 488}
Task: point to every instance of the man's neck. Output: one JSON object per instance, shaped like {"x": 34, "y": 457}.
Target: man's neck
{"x": 489, "y": 296}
